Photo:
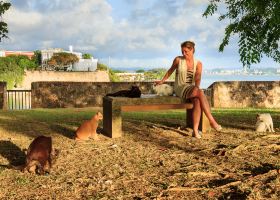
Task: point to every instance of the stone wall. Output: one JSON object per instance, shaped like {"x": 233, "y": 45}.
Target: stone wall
{"x": 79, "y": 94}
{"x": 240, "y": 94}
{"x": 3, "y": 97}
{"x": 35, "y": 76}
{"x": 233, "y": 94}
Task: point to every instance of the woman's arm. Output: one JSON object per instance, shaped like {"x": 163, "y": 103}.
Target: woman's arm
{"x": 169, "y": 72}
{"x": 197, "y": 76}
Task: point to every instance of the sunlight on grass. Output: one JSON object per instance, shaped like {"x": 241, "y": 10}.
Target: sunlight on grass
{"x": 223, "y": 116}
{"x": 74, "y": 116}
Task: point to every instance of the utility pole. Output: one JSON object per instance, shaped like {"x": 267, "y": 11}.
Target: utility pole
{"x": 109, "y": 63}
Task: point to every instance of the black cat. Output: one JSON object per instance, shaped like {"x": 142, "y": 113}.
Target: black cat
{"x": 134, "y": 92}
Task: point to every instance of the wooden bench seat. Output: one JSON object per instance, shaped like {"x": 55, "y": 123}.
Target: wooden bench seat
{"x": 113, "y": 107}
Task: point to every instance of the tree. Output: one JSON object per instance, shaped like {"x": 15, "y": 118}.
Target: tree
{"x": 119, "y": 71}
{"x": 23, "y": 62}
{"x": 86, "y": 56}
{"x": 157, "y": 74}
{"x": 4, "y": 6}
{"x": 102, "y": 67}
{"x": 140, "y": 71}
{"x": 257, "y": 23}
{"x": 10, "y": 71}
{"x": 62, "y": 59}
{"x": 27, "y": 64}
{"x": 37, "y": 57}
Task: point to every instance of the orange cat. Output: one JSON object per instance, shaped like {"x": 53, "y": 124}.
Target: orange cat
{"x": 88, "y": 128}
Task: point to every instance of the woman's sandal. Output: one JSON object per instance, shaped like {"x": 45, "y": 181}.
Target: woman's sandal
{"x": 197, "y": 136}
{"x": 218, "y": 128}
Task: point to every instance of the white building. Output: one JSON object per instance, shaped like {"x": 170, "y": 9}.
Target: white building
{"x": 46, "y": 54}
{"x": 85, "y": 65}
{"x": 82, "y": 65}
{"x": 2, "y": 53}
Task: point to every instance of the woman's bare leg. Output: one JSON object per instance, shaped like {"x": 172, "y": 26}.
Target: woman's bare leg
{"x": 204, "y": 105}
{"x": 196, "y": 115}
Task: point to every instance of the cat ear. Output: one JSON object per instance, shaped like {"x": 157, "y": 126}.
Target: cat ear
{"x": 99, "y": 113}
{"x": 258, "y": 115}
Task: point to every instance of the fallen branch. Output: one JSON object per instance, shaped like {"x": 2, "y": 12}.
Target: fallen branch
{"x": 185, "y": 189}
{"x": 154, "y": 125}
{"x": 229, "y": 184}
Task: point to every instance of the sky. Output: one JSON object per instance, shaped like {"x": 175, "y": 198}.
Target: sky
{"x": 122, "y": 33}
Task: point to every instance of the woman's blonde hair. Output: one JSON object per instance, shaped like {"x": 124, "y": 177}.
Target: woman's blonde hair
{"x": 188, "y": 44}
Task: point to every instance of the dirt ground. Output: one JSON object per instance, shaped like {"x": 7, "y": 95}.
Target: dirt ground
{"x": 151, "y": 161}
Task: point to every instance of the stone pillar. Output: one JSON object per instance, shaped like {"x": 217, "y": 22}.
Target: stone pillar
{"x": 112, "y": 119}
{"x": 204, "y": 124}
{"x": 3, "y": 96}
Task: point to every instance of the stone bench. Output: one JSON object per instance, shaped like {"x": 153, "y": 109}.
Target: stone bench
{"x": 113, "y": 107}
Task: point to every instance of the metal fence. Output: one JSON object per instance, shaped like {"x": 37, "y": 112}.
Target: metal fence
{"x": 19, "y": 99}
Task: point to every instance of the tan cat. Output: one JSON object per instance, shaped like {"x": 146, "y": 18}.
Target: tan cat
{"x": 264, "y": 123}
{"x": 163, "y": 90}
{"x": 88, "y": 128}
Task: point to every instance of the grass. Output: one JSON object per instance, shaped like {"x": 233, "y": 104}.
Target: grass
{"x": 74, "y": 116}
{"x": 150, "y": 161}
{"x": 223, "y": 116}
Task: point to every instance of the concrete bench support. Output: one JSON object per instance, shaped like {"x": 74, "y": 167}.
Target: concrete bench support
{"x": 113, "y": 107}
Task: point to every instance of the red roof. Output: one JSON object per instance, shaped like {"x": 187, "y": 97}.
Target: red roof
{"x": 29, "y": 54}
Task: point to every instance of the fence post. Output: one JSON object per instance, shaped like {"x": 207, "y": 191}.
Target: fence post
{"x": 3, "y": 96}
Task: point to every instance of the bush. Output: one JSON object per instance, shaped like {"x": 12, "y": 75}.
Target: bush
{"x": 157, "y": 74}
{"x": 86, "y": 56}
{"x": 113, "y": 77}
{"x": 10, "y": 71}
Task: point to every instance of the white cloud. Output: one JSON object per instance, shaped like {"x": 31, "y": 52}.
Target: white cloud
{"x": 144, "y": 63}
{"x": 20, "y": 20}
{"x": 147, "y": 32}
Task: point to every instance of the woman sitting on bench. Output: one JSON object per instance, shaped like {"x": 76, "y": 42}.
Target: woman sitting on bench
{"x": 187, "y": 82}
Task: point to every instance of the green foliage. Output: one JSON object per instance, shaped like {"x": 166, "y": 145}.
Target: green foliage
{"x": 12, "y": 68}
{"x": 86, "y": 56}
{"x": 157, "y": 74}
{"x": 118, "y": 71}
{"x": 27, "y": 64}
{"x": 102, "y": 67}
{"x": 24, "y": 62}
{"x": 257, "y": 23}
{"x": 37, "y": 57}
{"x": 113, "y": 77}
{"x": 4, "y": 6}
{"x": 140, "y": 71}
{"x": 10, "y": 71}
